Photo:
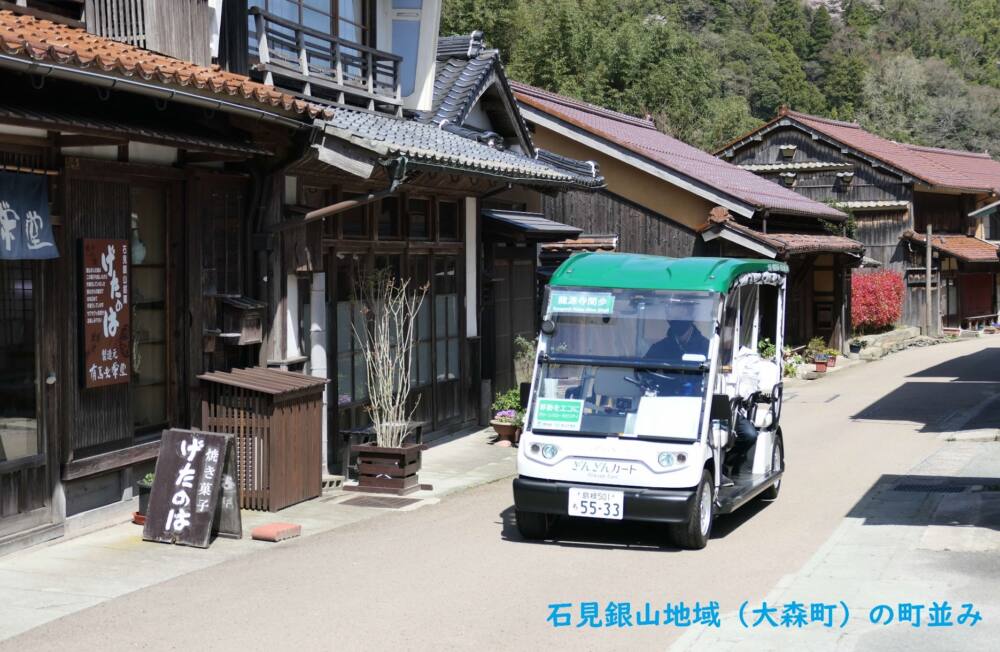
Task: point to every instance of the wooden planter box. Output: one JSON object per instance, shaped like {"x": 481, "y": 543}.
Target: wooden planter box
{"x": 388, "y": 470}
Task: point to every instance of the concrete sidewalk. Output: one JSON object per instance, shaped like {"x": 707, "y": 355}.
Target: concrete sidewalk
{"x": 928, "y": 536}
{"x": 41, "y": 584}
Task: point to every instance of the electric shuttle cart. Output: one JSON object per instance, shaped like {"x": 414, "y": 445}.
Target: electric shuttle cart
{"x": 656, "y": 393}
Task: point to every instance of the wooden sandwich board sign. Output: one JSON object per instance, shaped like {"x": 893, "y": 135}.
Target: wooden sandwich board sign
{"x": 195, "y": 492}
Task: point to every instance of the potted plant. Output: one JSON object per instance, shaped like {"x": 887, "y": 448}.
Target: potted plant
{"x": 389, "y": 306}
{"x": 145, "y": 486}
{"x": 856, "y": 345}
{"x": 790, "y": 363}
{"x": 816, "y": 346}
{"x": 820, "y": 360}
{"x": 505, "y": 422}
{"x": 831, "y": 355}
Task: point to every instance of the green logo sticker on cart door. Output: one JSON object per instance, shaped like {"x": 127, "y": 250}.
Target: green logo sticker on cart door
{"x": 558, "y": 414}
{"x": 581, "y": 303}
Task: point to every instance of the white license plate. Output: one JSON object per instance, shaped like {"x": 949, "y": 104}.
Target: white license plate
{"x": 596, "y": 503}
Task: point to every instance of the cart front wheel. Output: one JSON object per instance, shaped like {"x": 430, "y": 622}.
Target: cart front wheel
{"x": 694, "y": 534}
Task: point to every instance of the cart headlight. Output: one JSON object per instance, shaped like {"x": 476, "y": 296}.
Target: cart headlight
{"x": 666, "y": 459}
{"x": 549, "y": 451}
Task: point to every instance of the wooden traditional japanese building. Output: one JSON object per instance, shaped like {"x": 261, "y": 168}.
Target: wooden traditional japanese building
{"x": 169, "y": 218}
{"x": 473, "y": 97}
{"x": 665, "y": 197}
{"x": 893, "y": 192}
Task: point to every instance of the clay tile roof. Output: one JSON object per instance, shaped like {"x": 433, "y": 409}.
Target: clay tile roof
{"x": 964, "y": 247}
{"x": 43, "y": 40}
{"x": 427, "y": 145}
{"x": 641, "y": 137}
{"x": 939, "y": 167}
{"x": 787, "y": 244}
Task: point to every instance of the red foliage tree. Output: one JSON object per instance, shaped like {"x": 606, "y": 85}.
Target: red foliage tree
{"x": 876, "y": 300}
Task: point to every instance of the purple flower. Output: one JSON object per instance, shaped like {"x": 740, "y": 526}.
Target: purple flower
{"x": 506, "y": 415}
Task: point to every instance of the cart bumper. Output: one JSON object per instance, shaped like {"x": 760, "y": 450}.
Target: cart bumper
{"x": 640, "y": 504}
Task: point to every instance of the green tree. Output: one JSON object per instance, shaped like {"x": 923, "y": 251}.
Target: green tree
{"x": 496, "y": 18}
{"x": 789, "y": 21}
{"x": 843, "y": 84}
{"x": 821, "y": 30}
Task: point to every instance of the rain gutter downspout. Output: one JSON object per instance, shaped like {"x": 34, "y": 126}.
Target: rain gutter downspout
{"x": 142, "y": 88}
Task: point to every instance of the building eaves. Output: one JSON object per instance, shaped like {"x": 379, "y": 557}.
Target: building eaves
{"x": 986, "y": 211}
{"x": 427, "y": 146}
{"x": 193, "y": 139}
{"x": 37, "y": 40}
{"x": 966, "y": 248}
{"x": 784, "y": 245}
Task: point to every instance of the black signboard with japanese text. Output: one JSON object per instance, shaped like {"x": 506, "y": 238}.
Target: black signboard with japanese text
{"x": 195, "y": 493}
{"x": 107, "y": 340}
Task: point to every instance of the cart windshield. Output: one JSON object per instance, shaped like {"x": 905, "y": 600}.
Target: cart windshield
{"x": 654, "y": 326}
{"x": 625, "y": 362}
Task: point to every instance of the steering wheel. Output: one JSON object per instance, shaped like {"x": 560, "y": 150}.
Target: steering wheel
{"x": 644, "y": 380}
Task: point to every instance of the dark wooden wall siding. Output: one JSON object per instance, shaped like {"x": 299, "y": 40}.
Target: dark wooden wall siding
{"x": 946, "y": 213}
{"x": 880, "y": 232}
{"x": 639, "y": 229}
{"x": 914, "y": 301}
{"x": 869, "y": 183}
{"x": 94, "y": 209}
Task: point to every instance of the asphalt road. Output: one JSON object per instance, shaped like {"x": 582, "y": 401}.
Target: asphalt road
{"x": 456, "y": 575}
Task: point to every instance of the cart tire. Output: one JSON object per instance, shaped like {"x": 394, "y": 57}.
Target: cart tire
{"x": 694, "y": 534}
{"x": 777, "y": 455}
{"x": 533, "y": 526}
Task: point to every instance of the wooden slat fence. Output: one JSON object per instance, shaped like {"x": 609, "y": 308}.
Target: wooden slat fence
{"x": 277, "y": 419}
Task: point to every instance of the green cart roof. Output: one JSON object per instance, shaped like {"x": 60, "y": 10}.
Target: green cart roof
{"x": 641, "y": 272}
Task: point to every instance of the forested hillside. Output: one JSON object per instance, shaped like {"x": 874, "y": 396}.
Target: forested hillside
{"x": 923, "y": 71}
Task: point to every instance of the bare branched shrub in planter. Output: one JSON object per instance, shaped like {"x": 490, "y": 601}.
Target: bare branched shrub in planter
{"x": 389, "y": 306}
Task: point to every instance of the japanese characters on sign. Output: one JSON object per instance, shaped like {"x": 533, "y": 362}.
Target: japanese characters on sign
{"x": 194, "y": 489}
{"x": 558, "y": 414}
{"x": 25, "y": 226}
{"x": 107, "y": 342}
{"x": 581, "y": 302}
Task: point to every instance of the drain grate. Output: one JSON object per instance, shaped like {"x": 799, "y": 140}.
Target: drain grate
{"x": 932, "y": 488}
{"x": 384, "y": 502}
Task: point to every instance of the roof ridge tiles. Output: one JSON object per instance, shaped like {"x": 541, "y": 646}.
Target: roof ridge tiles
{"x": 527, "y": 89}
{"x": 945, "y": 150}
{"x": 817, "y": 118}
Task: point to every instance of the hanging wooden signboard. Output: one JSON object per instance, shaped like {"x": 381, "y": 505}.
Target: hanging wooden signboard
{"x": 194, "y": 493}
{"x": 104, "y": 313}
